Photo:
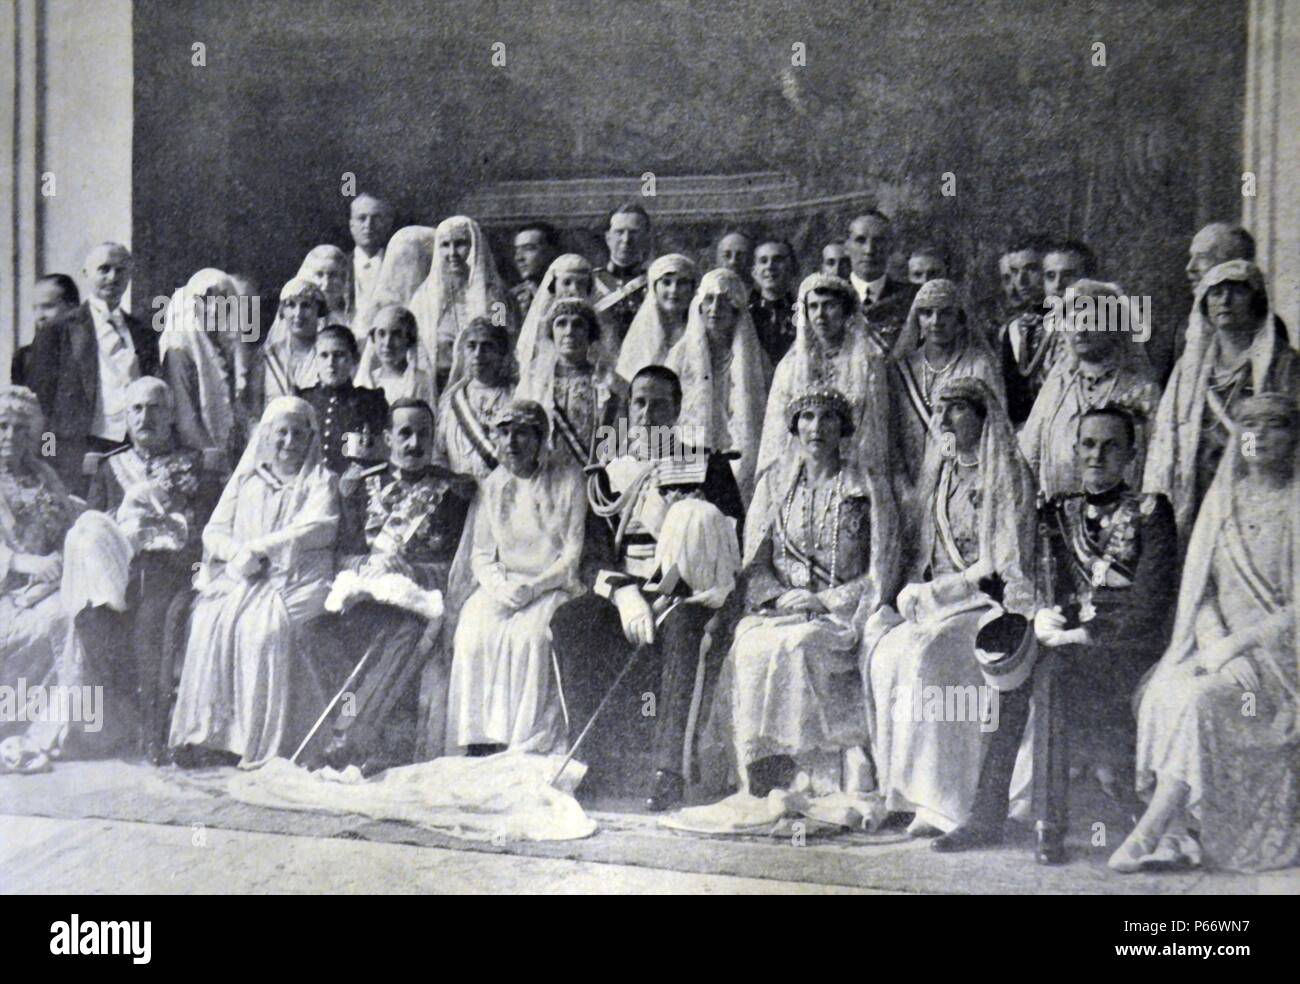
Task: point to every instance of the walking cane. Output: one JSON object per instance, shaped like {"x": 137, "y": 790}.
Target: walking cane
{"x": 356, "y": 670}
{"x": 608, "y": 694}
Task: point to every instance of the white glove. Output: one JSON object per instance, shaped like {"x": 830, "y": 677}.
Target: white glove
{"x": 634, "y": 611}
{"x": 1049, "y": 627}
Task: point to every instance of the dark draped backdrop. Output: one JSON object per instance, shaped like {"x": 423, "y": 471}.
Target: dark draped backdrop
{"x": 240, "y": 163}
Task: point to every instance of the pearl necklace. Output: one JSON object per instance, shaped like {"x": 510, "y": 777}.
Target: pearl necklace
{"x": 813, "y": 531}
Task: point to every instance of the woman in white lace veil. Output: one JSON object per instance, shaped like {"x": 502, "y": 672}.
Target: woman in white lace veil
{"x": 569, "y": 275}
{"x": 407, "y": 259}
{"x": 724, "y": 380}
{"x": 329, "y": 268}
{"x": 463, "y": 284}
{"x": 268, "y": 559}
{"x": 656, "y": 329}
{"x": 211, "y": 374}
{"x": 1201, "y": 758}
{"x": 854, "y": 366}
{"x": 288, "y": 355}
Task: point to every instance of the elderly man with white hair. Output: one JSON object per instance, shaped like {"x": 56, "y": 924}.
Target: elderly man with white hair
{"x": 130, "y": 555}
{"x": 80, "y": 371}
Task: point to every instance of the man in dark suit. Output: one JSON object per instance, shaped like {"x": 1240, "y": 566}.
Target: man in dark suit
{"x": 885, "y": 301}
{"x": 80, "y": 366}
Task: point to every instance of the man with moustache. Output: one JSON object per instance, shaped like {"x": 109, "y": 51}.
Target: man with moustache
{"x": 406, "y": 517}
{"x": 885, "y": 301}
{"x": 160, "y": 495}
{"x": 771, "y": 305}
{"x": 80, "y": 373}
{"x": 536, "y": 247}
{"x": 1025, "y": 343}
{"x": 623, "y": 279}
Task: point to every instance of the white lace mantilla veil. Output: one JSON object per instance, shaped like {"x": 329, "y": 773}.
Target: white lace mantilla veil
{"x": 310, "y": 488}
{"x": 434, "y": 297}
{"x": 407, "y": 259}
{"x": 930, "y": 293}
{"x": 532, "y": 336}
{"x": 185, "y": 330}
{"x": 328, "y": 251}
{"x": 647, "y": 341}
{"x": 858, "y": 372}
{"x": 1175, "y": 435}
{"x": 1215, "y": 511}
{"x": 690, "y": 358}
{"x": 1008, "y": 515}
{"x": 279, "y": 343}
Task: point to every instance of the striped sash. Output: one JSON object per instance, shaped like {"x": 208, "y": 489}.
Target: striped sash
{"x": 478, "y": 438}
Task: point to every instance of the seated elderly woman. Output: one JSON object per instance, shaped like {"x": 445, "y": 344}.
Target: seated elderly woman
{"x": 248, "y": 688}
{"x": 826, "y": 559}
{"x": 973, "y": 559}
{"x": 528, "y": 537}
{"x": 1219, "y": 719}
{"x": 35, "y": 514}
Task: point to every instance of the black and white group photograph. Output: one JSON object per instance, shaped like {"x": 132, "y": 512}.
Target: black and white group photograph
{"x": 642, "y": 447}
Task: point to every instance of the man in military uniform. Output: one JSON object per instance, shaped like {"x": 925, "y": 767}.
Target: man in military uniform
{"x": 1025, "y": 344}
{"x": 594, "y": 636}
{"x": 161, "y": 496}
{"x": 623, "y": 281}
{"x": 771, "y": 305}
{"x": 1111, "y": 570}
{"x": 1113, "y": 564}
{"x": 403, "y": 517}
{"x": 342, "y": 408}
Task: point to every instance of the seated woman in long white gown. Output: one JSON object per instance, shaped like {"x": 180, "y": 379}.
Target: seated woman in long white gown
{"x": 827, "y": 557}
{"x": 1218, "y": 747}
{"x": 528, "y": 536}
{"x": 975, "y": 534}
{"x": 248, "y": 687}
{"x": 35, "y": 514}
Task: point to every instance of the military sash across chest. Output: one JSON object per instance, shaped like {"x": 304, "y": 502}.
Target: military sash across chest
{"x": 1097, "y": 560}
{"x": 617, "y": 297}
